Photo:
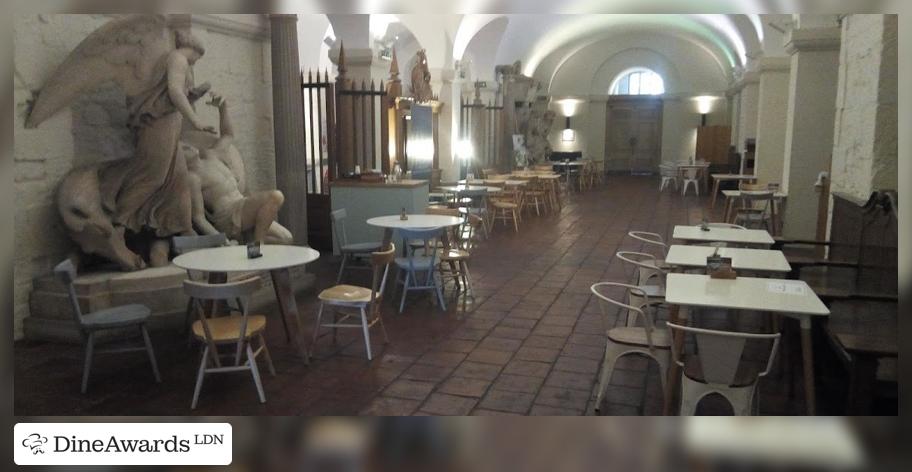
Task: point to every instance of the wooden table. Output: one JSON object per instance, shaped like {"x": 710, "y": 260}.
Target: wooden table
{"x": 754, "y": 237}
{"x": 733, "y": 195}
{"x": 719, "y": 178}
{"x": 756, "y": 260}
{"x": 277, "y": 259}
{"x": 393, "y": 222}
{"x": 791, "y": 298}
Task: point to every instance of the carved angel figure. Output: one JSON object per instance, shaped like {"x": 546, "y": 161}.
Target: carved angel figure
{"x": 421, "y": 78}
{"x": 151, "y": 60}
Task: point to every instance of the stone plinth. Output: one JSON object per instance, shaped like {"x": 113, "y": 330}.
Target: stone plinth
{"x": 158, "y": 288}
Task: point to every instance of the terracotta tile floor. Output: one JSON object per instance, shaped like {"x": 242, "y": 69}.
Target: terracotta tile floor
{"x": 531, "y": 342}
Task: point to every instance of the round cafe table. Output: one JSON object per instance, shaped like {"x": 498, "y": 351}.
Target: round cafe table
{"x": 393, "y": 222}
{"x": 218, "y": 262}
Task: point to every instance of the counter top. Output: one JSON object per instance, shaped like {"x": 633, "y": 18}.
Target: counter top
{"x": 359, "y": 183}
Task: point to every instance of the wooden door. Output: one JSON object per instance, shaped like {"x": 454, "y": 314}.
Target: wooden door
{"x": 712, "y": 144}
{"x": 633, "y": 134}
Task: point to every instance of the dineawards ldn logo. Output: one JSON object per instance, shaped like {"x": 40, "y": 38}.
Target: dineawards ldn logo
{"x": 122, "y": 444}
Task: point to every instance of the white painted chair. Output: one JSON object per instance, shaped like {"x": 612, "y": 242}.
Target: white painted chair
{"x": 669, "y": 175}
{"x": 349, "y": 250}
{"x": 647, "y": 340}
{"x": 755, "y": 211}
{"x": 718, "y": 368}
{"x": 365, "y": 300}
{"x": 691, "y": 176}
{"x": 654, "y": 240}
{"x": 649, "y": 277}
{"x": 237, "y": 330}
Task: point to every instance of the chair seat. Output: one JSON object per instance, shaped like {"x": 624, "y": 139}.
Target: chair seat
{"x": 124, "y": 315}
{"x": 361, "y": 247}
{"x": 453, "y": 255}
{"x": 346, "y": 294}
{"x": 419, "y": 262}
{"x": 637, "y": 336}
{"x": 744, "y": 376}
{"x": 653, "y": 291}
{"x": 228, "y": 328}
{"x": 505, "y": 205}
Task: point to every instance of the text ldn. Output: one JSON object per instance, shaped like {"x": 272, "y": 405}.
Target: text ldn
{"x": 71, "y": 444}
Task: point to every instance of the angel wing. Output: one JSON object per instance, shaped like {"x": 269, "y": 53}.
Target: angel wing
{"x": 129, "y": 51}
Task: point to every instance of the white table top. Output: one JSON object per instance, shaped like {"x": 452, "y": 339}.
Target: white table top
{"x": 734, "y": 176}
{"x": 705, "y": 164}
{"x": 737, "y": 193}
{"x": 571, "y": 163}
{"x": 463, "y": 188}
{"x": 761, "y": 260}
{"x": 743, "y": 293}
{"x": 727, "y": 235}
{"x": 234, "y": 258}
{"x": 415, "y": 221}
{"x": 516, "y": 182}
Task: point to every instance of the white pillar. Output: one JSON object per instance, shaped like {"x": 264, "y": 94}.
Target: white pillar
{"x": 771, "y": 114}
{"x": 449, "y": 93}
{"x": 747, "y": 109}
{"x": 288, "y": 124}
{"x": 808, "y": 138}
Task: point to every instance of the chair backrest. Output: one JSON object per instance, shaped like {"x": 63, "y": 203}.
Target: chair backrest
{"x": 757, "y": 200}
{"x": 652, "y": 239}
{"x": 185, "y": 244}
{"x": 380, "y": 262}
{"x": 666, "y": 170}
{"x": 600, "y": 290}
{"x": 647, "y": 267}
{"x": 746, "y": 186}
{"x": 65, "y": 271}
{"x": 338, "y": 226}
{"x": 691, "y": 172}
{"x": 239, "y": 292}
{"x": 441, "y": 210}
{"x": 426, "y": 235}
{"x": 720, "y": 352}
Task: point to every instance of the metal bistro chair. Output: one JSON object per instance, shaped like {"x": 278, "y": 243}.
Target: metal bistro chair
{"x": 669, "y": 174}
{"x": 691, "y": 176}
{"x": 655, "y": 241}
{"x": 647, "y": 340}
{"x": 413, "y": 264}
{"x": 365, "y": 300}
{"x": 718, "y": 368}
{"x": 184, "y": 244}
{"x": 353, "y": 250}
{"x": 116, "y": 317}
{"x": 236, "y": 330}
{"x": 647, "y": 270}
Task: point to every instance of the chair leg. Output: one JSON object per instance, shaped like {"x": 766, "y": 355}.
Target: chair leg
{"x": 255, "y": 372}
{"x": 605, "y": 376}
{"x": 267, "y": 355}
{"x": 342, "y": 268}
{"x": 316, "y": 332}
{"x": 515, "y": 222}
{"x": 151, "y": 352}
{"x": 691, "y": 394}
{"x": 87, "y": 366}
{"x": 437, "y": 289}
{"x": 366, "y": 329}
{"x": 188, "y": 321}
{"x": 467, "y": 278}
{"x": 405, "y": 286}
{"x": 199, "y": 377}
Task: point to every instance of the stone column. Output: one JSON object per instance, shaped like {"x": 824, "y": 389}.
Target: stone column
{"x": 449, "y": 93}
{"x": 734, "y": 105}
{"x": 771, "y": 113}
{"x": 288, "y": 124}
{"x": 808, "y": 139}
{"x": 865, "y": 141}
{"x": 747, "y": 108}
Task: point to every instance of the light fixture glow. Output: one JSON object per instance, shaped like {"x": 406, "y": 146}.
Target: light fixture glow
{"x": 569, "y": 106}
{"x": 704, "y": 103}
{"x": 465, "y": 150}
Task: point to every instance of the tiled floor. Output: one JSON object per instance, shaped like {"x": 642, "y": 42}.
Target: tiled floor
{"x": 531, "y": 342}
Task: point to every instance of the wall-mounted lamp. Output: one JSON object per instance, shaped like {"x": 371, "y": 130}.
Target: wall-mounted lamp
{"x": 704, "y": 106}
{"x": 568, "y": 134}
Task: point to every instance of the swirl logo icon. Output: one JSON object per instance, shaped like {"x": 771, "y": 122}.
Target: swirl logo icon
{"x": 35, "y": 442}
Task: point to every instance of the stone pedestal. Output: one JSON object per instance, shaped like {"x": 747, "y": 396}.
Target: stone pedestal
{"x": 158, "y": 288}
{"x": 808, "y": 141}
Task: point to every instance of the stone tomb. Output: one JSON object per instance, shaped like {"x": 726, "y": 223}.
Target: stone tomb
{"x": 159, "y": 288}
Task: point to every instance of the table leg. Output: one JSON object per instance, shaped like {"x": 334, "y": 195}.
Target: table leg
{"x": 807, "y": 355}
{"x": 288, "y": 306}
{"x": 728, "y": 209}
{"x": 674, "y": 370}
{"x": 714, "y": 193}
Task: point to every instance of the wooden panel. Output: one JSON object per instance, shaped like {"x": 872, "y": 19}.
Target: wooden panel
{"x": 712, "y": 144}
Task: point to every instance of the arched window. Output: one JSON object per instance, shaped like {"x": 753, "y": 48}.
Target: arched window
{"x": 638, "y": 82}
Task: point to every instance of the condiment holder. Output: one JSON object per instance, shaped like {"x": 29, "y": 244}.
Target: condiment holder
{"x": 253, "y": 250}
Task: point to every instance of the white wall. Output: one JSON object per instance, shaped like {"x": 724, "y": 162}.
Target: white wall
{"x": 236, "y": 64}
{"x": 686, "y": 69}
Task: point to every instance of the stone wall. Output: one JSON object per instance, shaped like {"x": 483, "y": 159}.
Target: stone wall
{"x": 865, "y": 134}
{"x": 92, "y": 129}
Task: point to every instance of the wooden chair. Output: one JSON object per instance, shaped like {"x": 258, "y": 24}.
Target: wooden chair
{"x": 366, "y": 300}
{"x": 647, "y": 340}
{"x": 718, "y": 368}
{"x": 535, "y": 196}
{"x": 411, "y": 265}
{"x": 507, "y": 207}
{"x": 454, "y": 260}
{"x": 349, "y": 250}
{"x": 109, "y": 319}
{"x": 237, "y": 330}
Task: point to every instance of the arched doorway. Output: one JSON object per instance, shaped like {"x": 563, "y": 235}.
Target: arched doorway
{"x": 633, "y": 124}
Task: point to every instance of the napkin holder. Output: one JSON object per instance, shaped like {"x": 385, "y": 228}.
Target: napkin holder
{"x": 719, "y": 267}
{"x": 253, "y": 250}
